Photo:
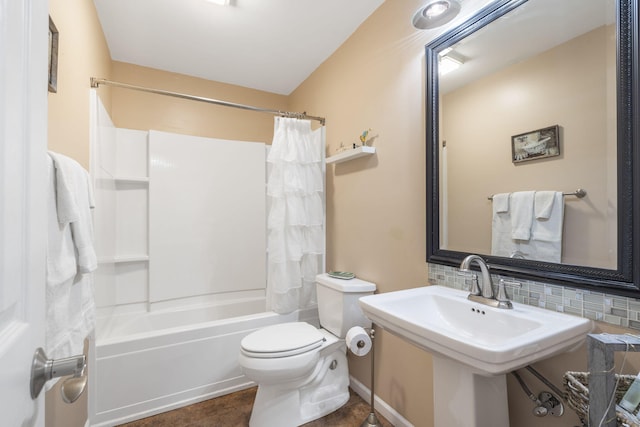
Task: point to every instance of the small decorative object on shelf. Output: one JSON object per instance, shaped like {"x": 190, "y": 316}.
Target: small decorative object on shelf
{"x": 344, "y": 152}
{"x": 363, "y": 137}
{"x": 342, "y": 148}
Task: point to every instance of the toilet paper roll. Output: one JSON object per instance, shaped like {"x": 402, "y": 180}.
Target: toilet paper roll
{"x": 358, "y": 341}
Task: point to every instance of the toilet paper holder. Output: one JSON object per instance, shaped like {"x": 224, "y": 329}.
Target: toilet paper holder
{"x": 372, "y": 419}
{"x": 358, "y": 340}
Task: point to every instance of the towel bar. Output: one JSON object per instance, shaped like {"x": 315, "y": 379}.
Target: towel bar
{"x": 579, "y": 193}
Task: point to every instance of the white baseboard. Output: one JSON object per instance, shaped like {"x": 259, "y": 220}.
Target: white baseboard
{"x": 380, "y": 405}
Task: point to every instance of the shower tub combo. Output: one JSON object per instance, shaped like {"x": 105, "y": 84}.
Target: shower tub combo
{"x": 182, "y": 269}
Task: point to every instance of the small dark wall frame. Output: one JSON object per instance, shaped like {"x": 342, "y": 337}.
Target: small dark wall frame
{"x": 53, "y": 57}
{"x": 536, "y": 144}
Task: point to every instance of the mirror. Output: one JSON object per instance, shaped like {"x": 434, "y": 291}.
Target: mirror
{"x": 542, "y": 97}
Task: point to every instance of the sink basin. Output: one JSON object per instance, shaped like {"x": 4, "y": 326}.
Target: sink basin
{"x": 490, "y": 340}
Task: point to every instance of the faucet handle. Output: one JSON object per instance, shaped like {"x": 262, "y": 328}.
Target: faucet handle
{"x": 502, "y": 297}
{"x": 475, "y": 286}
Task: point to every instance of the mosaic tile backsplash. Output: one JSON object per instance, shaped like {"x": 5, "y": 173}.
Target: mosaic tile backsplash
{"x": 616, "y": 310}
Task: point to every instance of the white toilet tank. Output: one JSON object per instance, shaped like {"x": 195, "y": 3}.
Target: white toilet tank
{"x": 338, "y": 303}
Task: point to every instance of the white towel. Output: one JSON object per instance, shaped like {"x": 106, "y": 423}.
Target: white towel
{"x": 521, "y": 209}
{"x": 544, "y": 251}
{"x": 549, "y": 228}
{"x": 543, "y": 204}
{"x": 74, "y": 201}
{"x": 501, "y": 242}
{"x": 70, "y": 305}
{"x": 61, "y": 259}
{"x": 546, "y": 230}
{"x": 501, "y": 202}
{"x": 66, "y": 204}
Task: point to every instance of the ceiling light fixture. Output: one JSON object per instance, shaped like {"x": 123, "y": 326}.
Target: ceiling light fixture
{"x": 435, "y": 13}
{"x": 219, "y": 2}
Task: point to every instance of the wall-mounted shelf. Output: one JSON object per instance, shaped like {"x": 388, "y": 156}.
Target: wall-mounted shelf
{"x": 351, "y": 154}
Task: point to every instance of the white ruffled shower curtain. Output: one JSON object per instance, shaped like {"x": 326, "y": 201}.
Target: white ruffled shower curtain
{"x": 295, "y": 215}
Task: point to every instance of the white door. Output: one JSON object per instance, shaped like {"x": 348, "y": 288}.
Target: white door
{"x": 23, "y": 140}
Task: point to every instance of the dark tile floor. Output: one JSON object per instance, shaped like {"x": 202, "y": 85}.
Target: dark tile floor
{"x": 234, "y": 410}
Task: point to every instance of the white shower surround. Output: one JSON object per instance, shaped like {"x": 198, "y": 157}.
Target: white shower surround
{"x": 206, "y": 216}
{"x": 179, "y": 218}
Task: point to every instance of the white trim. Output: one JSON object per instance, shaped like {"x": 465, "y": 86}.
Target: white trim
{"x": 380, "y": 405}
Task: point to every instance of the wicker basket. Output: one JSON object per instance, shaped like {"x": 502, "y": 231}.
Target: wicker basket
{"x": 577, "y": 393}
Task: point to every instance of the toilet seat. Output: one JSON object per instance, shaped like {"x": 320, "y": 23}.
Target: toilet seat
{"x": 282, "y": 340}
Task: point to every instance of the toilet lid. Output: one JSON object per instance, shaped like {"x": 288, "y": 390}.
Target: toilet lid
{"x": 284, "y": 339}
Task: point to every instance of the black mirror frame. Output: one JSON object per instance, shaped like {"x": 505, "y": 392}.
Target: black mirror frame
{"x": 625, "y": 280}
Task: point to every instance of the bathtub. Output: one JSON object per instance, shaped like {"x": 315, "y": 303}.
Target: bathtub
{"x": 145, "y": 363}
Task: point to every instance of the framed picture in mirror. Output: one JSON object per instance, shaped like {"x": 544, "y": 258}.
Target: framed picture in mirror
{"x": 536, "y": 144}
{"x": 53, "y": 57}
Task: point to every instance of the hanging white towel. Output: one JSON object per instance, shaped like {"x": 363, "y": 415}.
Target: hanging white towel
{"x": 501, "y": 202}
{"x": 544, "y": 251}
{"x": 74, "y": 201}
{"x": 501, "y": 242}
{"x": 70, "y": 306}
{"x": 546, "y": 230}
{"x": 521, "y": 209}
{"x": 61, "y": 259}
{"x": 543, "y": 203}
{"x": 548, "y": 225}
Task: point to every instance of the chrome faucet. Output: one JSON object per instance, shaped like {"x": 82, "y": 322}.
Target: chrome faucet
{"x": 484, "y": 294}
{"x": 487, "y": 284}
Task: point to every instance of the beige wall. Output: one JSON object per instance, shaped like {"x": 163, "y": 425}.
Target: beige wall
{"x": 82, "y": 54}
{"x": 139, "y": 110}
{"x": 566, "y": 86}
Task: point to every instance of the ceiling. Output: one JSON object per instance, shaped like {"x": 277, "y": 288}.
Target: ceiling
{"x": 269, "y": 45}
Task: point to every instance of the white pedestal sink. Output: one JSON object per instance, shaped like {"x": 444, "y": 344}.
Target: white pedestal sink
{"x": 474, "y": 346}
{"x": 463, "y": 397}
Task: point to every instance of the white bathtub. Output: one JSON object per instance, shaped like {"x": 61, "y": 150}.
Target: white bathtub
{"x": 147, "y": 363}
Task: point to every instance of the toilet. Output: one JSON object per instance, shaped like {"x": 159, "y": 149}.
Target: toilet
{"x": 301, "y": 370}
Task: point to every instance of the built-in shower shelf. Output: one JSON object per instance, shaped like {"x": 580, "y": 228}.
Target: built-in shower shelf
{"x": 132, "y": 179}
{"x": 354, "y": 153}
{"x": 122, "y": 259}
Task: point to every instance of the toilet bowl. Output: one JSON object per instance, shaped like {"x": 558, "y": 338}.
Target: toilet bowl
{"x": 301, "y": 370}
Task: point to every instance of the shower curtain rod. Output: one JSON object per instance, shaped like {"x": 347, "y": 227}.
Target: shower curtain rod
{"x": 96, "y": 82}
